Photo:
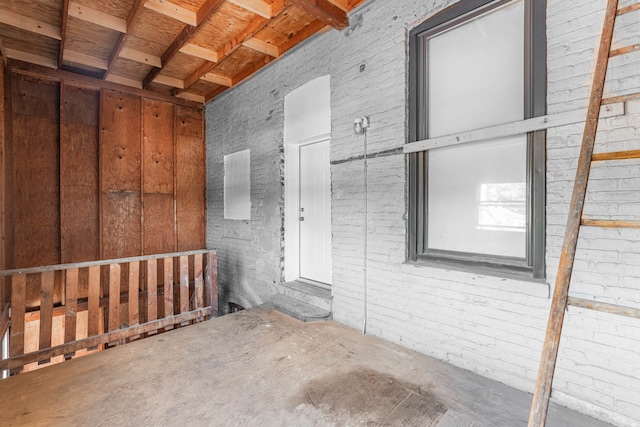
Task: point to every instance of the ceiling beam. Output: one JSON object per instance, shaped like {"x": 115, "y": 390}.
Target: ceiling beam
{"x": 342, "y": 4}
{"x": 259, "y": 7}
{"x": 325, "y": 11}
{"x": 199, "y": 52}
{"x": 207, "y": 9}
{"x": 315, "y": 27}
{"x": 88, "y": 60}
{"x": 262, "y": 46}
{"x": 3, "y": 53}
{"x": 191, "y": 97}
{"x": 173, "y": 11}
{"x": 141, "y": 57}
{"x": 93, "y": 16}
{"x": 134, "y": 12}
{"x": 63, "y": 31}
{"x": 31, "y": 58}
{"x": 13, "y": 19}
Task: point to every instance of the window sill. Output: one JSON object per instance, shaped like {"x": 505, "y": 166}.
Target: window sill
{"x": 522, "y": 275}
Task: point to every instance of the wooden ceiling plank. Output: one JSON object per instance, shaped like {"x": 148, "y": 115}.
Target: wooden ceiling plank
{"x": 199, "y": 52}
{"x": 169, "y": 81}
{"x": 207, "y": 9}
{"x": 213, "y": 93}
{"x": 94, "y": 16}
{"x": 191, "y": 97}
{"x": 262, "y": 46}
{"x": 172, "y": 11}
{"x": 259, "y": 7}
{"x": 32, "y": 69}
{"x": 81, "y": 58}
{"x": 135, "y": 11}
{"x": 141, "y": 57}
{"x": 113, "y": 78}
{"x": 13, "y": 19}
{"x": 324, "y": 11}
{"x": 251, "y": 69}
{"x": 219, "y": 79}
{"x": 311, "y": 29}
{"x": 31, "y": 57}
{"x": 63, "y": 31}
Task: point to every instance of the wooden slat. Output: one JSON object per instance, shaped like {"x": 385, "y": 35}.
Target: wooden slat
{"x": 112, "y": 336}
{"x": 152, "y": 290}
{"x": 71, "y": 304}
{"x": 605, "y": 223}
{"x": 217, "y": 78}
{"x": 168, "y": 286}
{"x": 134, "y": 12}
{"x": 211, "y": 283}
{"x": 58, "y": 267}
{"x": 259, "y": 7}
{"x": 94, "y": 16}
{"x": 4, "y": 319}
{"x": 191, "y": 97}
{"x": 624, "y": 50}
{"x": 540, "y": 403}
{"x": 134, "y": 289}
{"x": 32, "y": 58}
{"x": 324, "y": 11}
{"x": 93, "y": 327}
{"x": 616, "y": 155}
{"x": 46, "y": 309}
{"x": 184, "y": 284}
{"x": 81, "y": 58}
{"x": 198, "y": 282}
{"x": 124, "y": 81}
{"x": 620, "y": 98}
{"x": 13, "y": 19}
{"x": 114, "y": 296}
{"x": 604, "y": 307}
{"x": 169, "y": 81}
{"x": 627, "y": 9}
{"x": 18, "y": 296}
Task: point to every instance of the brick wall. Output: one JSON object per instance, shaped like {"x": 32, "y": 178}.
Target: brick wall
{"x": 489, "y": 325}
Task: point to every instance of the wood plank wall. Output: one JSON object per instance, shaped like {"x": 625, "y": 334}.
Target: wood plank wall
{"x": 97, "y": 174}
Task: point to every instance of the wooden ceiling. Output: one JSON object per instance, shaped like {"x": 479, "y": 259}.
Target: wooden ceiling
{"x": 192, "y": 49}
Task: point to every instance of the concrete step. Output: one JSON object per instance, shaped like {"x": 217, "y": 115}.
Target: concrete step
{"x": 297, "y": 309}
{"x": 308, "y": 293}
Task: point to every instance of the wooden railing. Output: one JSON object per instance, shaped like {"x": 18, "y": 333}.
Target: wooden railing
{"x": 55, "y": 311}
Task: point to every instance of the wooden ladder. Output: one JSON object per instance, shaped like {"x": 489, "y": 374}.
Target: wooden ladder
{"x": 540, "y": 404}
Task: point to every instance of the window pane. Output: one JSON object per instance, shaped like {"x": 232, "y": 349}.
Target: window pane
{"x": 477, "y": 197}
{"x": 475, "y": 72}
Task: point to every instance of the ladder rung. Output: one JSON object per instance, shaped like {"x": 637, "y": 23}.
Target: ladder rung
{"x": 624, "y": 50}
{"x": 604, "y": 307}
{"x": 616, "y": 155}
{"x": 621, "y": 98}
{"x": 628, "y": 9}
{"x": 609, "y": 223}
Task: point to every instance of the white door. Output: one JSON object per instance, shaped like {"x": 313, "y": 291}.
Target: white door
{"x": 315, "y": 212}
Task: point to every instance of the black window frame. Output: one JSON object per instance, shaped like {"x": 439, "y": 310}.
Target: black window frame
{"x": 535, "y": 74}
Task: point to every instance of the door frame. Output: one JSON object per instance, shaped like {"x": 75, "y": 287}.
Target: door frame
{"x": 292, "y": 204}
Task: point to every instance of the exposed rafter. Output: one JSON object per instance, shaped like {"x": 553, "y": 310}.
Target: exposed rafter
{"x": 325, "y": 11}
{"x": 141, "y": 57}
{"x": 135, "y": 11}
{"x": 13, "y": 19}
{"x": 81, "y": 58}
{"x": 262, "y": 47}
{"x": 31, "y": 58}
{"x": 199, "y": 52}
{"x": 63, "y": 31}
{"x": 3, "y": 53}
{"x": 173, "y": 11}
{"x": 208, "y": 8}
{"x": 258, "y": 7}
{"x": 218, "y": 79}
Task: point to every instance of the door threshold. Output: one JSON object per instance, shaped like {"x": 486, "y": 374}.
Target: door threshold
{"x": 314, "y": 283}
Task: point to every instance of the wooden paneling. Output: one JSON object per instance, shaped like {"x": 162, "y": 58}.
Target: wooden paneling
{"x": 79, "y": 205}
{"x": 35, "y": 172}
{"x": 120, "y": 174}
{"x": 190, "y": 179}
{"x": 159, "y": 224}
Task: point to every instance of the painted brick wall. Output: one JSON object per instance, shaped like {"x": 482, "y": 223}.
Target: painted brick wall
{"x": 489, "y": 325}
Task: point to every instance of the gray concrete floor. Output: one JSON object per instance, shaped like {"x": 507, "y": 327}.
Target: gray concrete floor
{"x": 262, "y": 368}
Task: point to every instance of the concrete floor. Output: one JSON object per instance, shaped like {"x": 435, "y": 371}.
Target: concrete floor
{"x": 262, "y": 368}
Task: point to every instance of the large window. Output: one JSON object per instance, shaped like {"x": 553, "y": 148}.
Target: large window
{"x": 478, "y": 64}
